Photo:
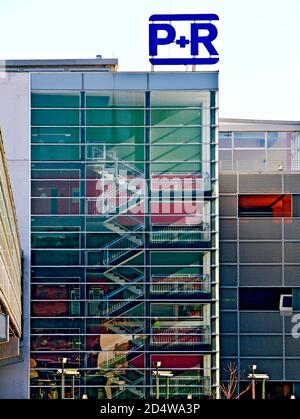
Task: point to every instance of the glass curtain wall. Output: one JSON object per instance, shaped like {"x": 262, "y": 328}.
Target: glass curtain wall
{"x": 260, "y": 151}
{"x": 123, "y": 276}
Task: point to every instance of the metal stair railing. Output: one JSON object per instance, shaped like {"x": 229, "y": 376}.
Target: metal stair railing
{"x": 110, "y": 157}
{"x": 188, "y": 234}
{"x": 117, "y": 304}
{"x": 123, "y": 277}
{"x": 129, "y": 240}
{"x": 120, "y": 316}
{"x": 110, "y": 364}
{"x": 130, "y": 376}
{"x": 179, "y": 284}
{"x": 122, "y": 288}
{"x": 176, "y": 336}
{"x": 126, "y": 185}
{"x": 119, "y": 247}
{"x": 120, "y": 367}
{"x": 122, "y": 226}
{"x": 119, "y": 161}
{"x": 114, "y": 197}
{"x": 137, "y": 391}
{"x": 183, "y": 386}
{"x": 136, "y": 331}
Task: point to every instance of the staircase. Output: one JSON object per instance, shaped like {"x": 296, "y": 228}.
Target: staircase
{"x": 122, "y": 297}
{"x": 121, "y": 307}
{"x": 126, "y": 377}
{"x": 118, "y": 306}
{"x": 129, "y": 189}
{"x": 131, "y": 389}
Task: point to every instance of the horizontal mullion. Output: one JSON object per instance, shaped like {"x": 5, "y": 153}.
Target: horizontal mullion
{"x": 139, "y": 299}
{"x": 143, "y": 179}
{"x": 124, "y": 144}
{"x": 168, "y": 351}
{"x": 108, "y": 267}
{"x": 126, "y": 108}
{"x": 124, "y": 126}
{"x": 171, "y": 318}
{"x": 100, "y": 249}
{"x": 59, "y": 232}
{"x": 121, "y": 284}
{"x": 255, "y": 148}
{"x": 94, "y": 161}
{"x": 128, "y": 368}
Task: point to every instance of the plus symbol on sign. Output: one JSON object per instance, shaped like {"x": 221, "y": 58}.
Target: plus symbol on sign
{"x": 182, "y": 42}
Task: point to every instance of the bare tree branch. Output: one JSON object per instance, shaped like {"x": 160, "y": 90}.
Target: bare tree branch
{"x": 229, "y": 389}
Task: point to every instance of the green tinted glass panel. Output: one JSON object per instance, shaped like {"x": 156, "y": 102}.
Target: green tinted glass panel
{"x": 48, "y": 100}
{"x": 69, "y": 236}
{"x": 98, "y": 100}
{"x": 53, "y": 172}
{"x": 176, "y": 99}
{"x": 125, "y": 153}
{"x": 94, "y": 224}
{"x": 55, "y": 240}
{"x": 115, "y": 117}
{"x": 177, "y": 167}
{"x": 55, "y": 135}
{"x": 61, "y": 152}
{"x": 55, "y": 257}
{"x": 65, "y": 187}
{"x": 57, "y": 223}
{"x": 175, "y": 152}
{"x": 176, "y": 135}
{"x": 176, "y": 258}
{"x": 175, "y": 117}
{"x": 95, "y": 241}
{"x": 116, "y": 99}
{"x": 115, "y": 135}
{"x": 54, "y": 117}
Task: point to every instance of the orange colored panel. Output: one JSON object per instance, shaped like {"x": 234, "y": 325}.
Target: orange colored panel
{"x": 279, "y": 205}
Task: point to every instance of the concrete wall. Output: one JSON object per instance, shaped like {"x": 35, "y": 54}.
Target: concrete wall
{"x": 15, "y": 125}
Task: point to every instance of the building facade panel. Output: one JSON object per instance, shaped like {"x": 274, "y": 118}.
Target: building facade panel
{"x": 124, "y": 276}
{"x": 14, "y": 121}
{"x": 261, "y": 158}
{"x": 11, "y": 269}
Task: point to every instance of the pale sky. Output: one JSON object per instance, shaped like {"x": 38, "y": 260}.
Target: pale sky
{"x": 259, "y": 43}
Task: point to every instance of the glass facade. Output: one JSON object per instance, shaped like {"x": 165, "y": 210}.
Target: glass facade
{"x": 124, "y": 264}
{"x": 259, "y": 151}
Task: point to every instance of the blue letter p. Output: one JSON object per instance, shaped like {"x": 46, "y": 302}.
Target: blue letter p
{"x": 154, "y": 41}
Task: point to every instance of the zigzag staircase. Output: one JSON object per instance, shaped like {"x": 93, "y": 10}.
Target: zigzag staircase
{"x": 121, "y": 306}
{"x": 121, "y": 303}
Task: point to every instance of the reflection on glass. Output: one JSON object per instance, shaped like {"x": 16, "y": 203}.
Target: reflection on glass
{"x": 114, "y": 291}
{"x": 249, "y": 140}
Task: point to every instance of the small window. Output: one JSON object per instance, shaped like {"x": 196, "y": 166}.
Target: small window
{"x": 4, "y": 328}
{"x": 249, "y": 140}
{"x": 262, "y": 299}
{"x": 279, "y": 140}
{"x": 286, "y": 304}
{"x": 225, "y": 140}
